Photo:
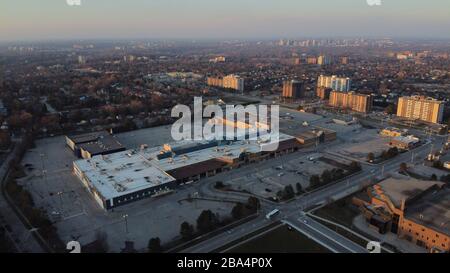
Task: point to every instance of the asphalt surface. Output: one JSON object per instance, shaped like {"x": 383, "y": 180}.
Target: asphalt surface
{"x": 16, "y": 231}
{"x": 323, "y": 235}
{"x": 291, "y": 211}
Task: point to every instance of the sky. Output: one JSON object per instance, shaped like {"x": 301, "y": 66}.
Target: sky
{"x": 222, "y": 19}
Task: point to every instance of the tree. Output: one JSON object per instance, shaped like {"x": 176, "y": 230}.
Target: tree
{"x": 446, "y": 178}
{"x": 5, "y": 140}
{"x": 20, "y": 120}
{"x": 154, "y": 245}
{"x": 438, "y": 164}
{"x": 253, "y": 203}
{"x": 288, "y": 192}
{"x": 206, "y": 221}
{"x": 371, "y": 157}
{"x": 101, "y": 242}
{"x": 390, "y": 109}
{"x": 337, "y": 174}
{"x": 219, "y": 185}
{"x": 392, "y": 152}
{"x": 299, "y": 188}
{"x": 403, "y": 167}
{"x": 280, "y": 194}
{"x": 186, "y": 230}
{"x": 314, "y": 181}
{"x": 238, "y": 211}
{"x": 326, "y": 177}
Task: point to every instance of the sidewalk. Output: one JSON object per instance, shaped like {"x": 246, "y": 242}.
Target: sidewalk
{"x": 404, "y": 246}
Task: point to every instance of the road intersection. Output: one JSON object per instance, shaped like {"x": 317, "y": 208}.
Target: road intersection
{"x": 292, "y": 212}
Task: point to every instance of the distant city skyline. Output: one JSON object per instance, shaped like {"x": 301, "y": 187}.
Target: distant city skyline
{"x": 231, "y": 19}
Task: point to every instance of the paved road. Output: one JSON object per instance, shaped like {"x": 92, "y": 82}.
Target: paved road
{"x": 16, "y": 230}
{"x": 291, "y": 211}
{"x": 227, "y": 237}
{"x": 323, "y": 235}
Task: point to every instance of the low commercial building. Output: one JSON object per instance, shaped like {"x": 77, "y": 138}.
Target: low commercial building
{"x": 92, "y": 144}
{"x": 441, "y": 129}
{"x": 447, "y": 165}
{"x": 315, "y": 137}
{"x": 121, "y": 178}
{"x": 189, "y": 161}
{"x": 345, "y": 121}
{"x": 405, "y": 142}
{"x": 393, "y": 132}
{"x": 415, "y": 210}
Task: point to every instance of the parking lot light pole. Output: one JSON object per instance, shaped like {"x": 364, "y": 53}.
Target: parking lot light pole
{"x": 60, "y": 193}
{"x": 125, "y": 217}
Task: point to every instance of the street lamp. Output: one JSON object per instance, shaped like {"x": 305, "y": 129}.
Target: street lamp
{"x": 125, "y": 217}
{"x": 60, "y": 193}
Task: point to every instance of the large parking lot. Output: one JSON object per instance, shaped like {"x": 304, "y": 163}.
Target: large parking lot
{"x": 267, "y": 178}
{"x": 360, "y": 143}
{"x": 77, "y": 216}
{"x": 150, "y": 136}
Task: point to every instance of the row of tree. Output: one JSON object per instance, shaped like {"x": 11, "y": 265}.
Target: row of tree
{"x": 385, "y": 155}
{"x": 335, "y": 174}
{"x": 208, "y": 221}
{"x": 289, "y": 193}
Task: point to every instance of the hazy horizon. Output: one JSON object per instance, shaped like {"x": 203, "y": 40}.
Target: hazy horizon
{"x": 220, "y": 20}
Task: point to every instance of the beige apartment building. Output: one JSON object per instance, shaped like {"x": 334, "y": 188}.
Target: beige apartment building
{"x": 323, "y": 60}
{"x": 334, "y": 82}
{"x": 422, "y": 108}
{"x": 356, "y": 102}
{"x": 231, "y": 81}
{"x": 215, "y": 81}
{"x": 292, "y": 89}
{"x": 323, "y": 92}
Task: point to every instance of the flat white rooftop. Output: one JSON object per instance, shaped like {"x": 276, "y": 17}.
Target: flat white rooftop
{"x": 228, "y": 151}
{"x": 126, "y": 172}
{"x": 122, "y": 173}
{"x": 407, "y": 139}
